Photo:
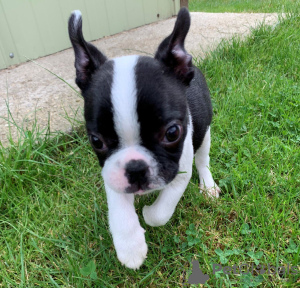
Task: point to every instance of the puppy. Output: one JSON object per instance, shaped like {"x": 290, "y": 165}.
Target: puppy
{"x": 146, "y": 119}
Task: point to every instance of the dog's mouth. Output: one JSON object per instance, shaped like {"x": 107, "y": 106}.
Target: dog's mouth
{"x": 144, "y": 192}
{"x": 137, "y": 188}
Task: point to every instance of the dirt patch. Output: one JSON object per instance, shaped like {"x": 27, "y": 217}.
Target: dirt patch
{"x": 32, "y": 93}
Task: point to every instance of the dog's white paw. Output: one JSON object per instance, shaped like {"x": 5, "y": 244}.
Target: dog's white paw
{"x": 132, "y": 251}
{"x": 155, "y": 218}
{"x": 210, "y": 191}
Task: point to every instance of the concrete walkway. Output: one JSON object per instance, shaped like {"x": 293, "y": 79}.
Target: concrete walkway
{"x": 33, "y": 93}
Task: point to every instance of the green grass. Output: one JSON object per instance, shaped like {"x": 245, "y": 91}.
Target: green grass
{"x": 53, "y": 208}
{"x": 258, "y": 6}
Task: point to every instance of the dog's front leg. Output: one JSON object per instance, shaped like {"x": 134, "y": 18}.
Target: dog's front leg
{"x": 127, "y": 233}
{"x": 160, "y": 212}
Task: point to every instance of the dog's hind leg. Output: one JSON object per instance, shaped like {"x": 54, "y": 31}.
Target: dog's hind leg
{"x": 207, "y": 183}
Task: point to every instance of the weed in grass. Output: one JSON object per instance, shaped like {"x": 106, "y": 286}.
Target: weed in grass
{"x": 223, "y": 255}
{"x": 245, "y": 229}
{"x": 255, "y": 256}
{"x": 251, "y": 281}
{"x": 89, "y": 270}
{"x": 293, "y": 248}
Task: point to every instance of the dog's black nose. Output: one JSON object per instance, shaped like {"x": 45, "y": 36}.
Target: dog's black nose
{"x": 137, "y": 173}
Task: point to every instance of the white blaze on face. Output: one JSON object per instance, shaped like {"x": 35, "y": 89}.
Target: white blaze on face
{"x": 123, "y": 97}
{"x": 124, "y": 102}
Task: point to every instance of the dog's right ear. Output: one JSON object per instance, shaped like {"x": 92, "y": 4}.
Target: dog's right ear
{"x": 87, "y": 57}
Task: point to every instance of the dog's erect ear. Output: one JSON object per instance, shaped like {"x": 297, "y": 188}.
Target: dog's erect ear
{"x": 171, "y": 51}
{"x": 87, "y": 57}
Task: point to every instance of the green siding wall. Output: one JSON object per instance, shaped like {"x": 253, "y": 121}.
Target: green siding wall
{"x": 35, "y": 28}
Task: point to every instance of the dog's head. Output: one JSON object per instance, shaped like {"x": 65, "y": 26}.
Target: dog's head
{"x": 135, "y": 108}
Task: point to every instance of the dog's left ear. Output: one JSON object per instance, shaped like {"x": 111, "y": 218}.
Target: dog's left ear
{"x": 171, "y": 51}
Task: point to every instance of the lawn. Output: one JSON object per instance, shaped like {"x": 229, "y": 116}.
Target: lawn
{"x": 53, "y": 223}
{"x": 259, "y": 6}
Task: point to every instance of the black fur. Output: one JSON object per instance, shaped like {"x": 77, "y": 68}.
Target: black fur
{"x": 200, "y": 107}
{"x": 197, "y": 93}
{"x": 160, "y": 100}
{"x": 98, "y": 111}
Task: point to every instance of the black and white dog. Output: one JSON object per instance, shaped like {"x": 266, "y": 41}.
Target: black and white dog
{"x": 146, "y": 118}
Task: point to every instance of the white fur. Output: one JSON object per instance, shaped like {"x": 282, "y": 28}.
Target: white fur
{"x": 207, "y": 183}
{"x": 160, "y": 212}
{"x": 123, "y": 97}
{"x": 127, "y": 233}
{"x": 78, "y": 15}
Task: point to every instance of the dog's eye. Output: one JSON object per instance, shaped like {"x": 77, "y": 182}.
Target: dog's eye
{"x": 172, "y": 135}
{"x": 97, "y": 143}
